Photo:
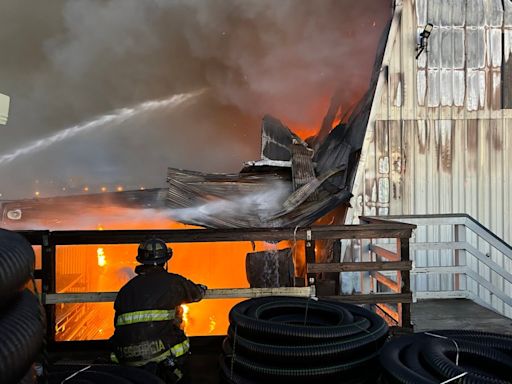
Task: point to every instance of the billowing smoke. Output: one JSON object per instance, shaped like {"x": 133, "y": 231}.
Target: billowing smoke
{"x": 64, "y": 62}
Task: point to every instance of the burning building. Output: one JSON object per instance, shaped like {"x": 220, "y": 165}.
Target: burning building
{"x": 295, "y": 183}
{"x": 430, "y": 136}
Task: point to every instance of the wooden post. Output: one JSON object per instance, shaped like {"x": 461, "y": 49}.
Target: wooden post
{"x": 404, "y": 279}
{"x": 366, "y": 256}
{"x": 336, "y": 251}
{"x": 49, "y": 284}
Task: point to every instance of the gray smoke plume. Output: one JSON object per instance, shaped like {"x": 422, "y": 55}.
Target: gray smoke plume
{"x": 64, "y": 62}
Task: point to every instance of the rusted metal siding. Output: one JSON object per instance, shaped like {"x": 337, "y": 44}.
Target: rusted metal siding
{"x": 507, "y": 59}
{"x": 443, "y": 166}
{"x": 442, "y": 141}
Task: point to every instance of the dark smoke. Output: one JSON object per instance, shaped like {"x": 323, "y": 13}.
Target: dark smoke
{"x": 66, "y": 61}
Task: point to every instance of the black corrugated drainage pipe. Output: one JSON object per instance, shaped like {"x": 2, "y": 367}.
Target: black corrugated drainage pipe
{"x": 21, "y": 335}
{"x": 438, "y": 356}
{"x": 16, "y": 264}
{"x": 295, "y": 340}
{"x": 21, "y": 316}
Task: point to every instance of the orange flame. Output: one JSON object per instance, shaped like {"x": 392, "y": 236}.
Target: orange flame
{"x": 213, "y": 324}
{"x": 102, "y": 261}
{"x": 79, "y": 270}
{"x": 184, "y": 316}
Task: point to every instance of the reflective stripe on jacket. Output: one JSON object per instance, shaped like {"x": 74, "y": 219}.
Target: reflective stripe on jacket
{"x": 145, "y": 316}
{"x": 137, "y": 355}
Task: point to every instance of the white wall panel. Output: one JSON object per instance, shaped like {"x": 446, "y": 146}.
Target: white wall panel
{"x": 448, "y": 135}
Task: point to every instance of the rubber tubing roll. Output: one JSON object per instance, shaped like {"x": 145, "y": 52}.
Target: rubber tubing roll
{"x": 16, "y": 264}
{"x": 288, "y": 339}
{"x": 436, "y": 356}
{"x": 21, "y": 332}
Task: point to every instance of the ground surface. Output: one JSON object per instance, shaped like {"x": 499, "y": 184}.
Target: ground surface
{"x": 457, "y": 314}
{"x": 426, "y": 315}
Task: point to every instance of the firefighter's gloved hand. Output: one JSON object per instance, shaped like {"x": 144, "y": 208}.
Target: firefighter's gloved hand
{"x": 203, "y": 289}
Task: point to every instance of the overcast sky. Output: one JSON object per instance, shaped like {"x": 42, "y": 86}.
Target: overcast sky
{"x": 64, "y": 62}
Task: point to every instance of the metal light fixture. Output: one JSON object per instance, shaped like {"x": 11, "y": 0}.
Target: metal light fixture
{"x": 4, "y": 108}
{"x": 424, "y": 39}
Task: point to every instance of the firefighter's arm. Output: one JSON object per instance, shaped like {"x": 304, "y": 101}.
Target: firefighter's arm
{"x": 193, "y": 292}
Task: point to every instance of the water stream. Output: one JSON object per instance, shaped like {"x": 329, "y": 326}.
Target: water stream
{"x": 112, "y": 119}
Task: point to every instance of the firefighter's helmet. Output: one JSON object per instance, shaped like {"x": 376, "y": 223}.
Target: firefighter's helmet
{"x": 153, "y": 252}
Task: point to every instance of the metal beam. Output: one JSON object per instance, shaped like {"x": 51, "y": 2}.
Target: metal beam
{"x": 489, "y": 262}
{"x": 438, "y": 219}
{"x": 489, "y": 236}
{"x": 441, "y": 295}
{"x": 491, "y": 288}
{"x": 438, "y": 246}
{"x": 429, "y": 270}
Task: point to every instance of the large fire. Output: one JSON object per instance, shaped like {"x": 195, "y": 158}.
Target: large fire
{"x": 107, "y": 267}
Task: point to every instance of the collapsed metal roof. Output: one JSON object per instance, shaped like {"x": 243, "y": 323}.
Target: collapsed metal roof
{"x": 294, "y": 183}
{"x": 298, "y": 182}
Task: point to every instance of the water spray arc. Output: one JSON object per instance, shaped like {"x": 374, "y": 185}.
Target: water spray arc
{"x": 113, "y": 118}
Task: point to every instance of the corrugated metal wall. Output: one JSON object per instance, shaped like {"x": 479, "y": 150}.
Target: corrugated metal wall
{"x": 441, "y": 141}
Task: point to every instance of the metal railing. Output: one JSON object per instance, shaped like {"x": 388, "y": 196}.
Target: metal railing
{"x": 50, "y": 240}
{"x": 455, "y": 256}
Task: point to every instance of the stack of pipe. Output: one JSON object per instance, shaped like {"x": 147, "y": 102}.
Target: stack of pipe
{"x": 21, "y": 315}
{"x": 295, "y": 340}
{"x": 448, "y": 356}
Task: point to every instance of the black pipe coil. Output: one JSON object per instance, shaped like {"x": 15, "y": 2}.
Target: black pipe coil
{"x": 431, "y": 358}
{"x": 21, "y": 335}
{"x": 16, "y": 264}
{"x": 287, "y": 339}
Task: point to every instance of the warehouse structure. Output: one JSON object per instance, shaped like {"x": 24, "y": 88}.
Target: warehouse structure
{"x": 439, "y": 136}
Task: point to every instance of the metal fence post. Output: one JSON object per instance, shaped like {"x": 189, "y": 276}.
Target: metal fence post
{"x": 459, "y": 257}
{"x": 49, "y": 283}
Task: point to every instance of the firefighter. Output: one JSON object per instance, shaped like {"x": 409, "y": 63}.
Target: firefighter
{"x": 147, "y": 318}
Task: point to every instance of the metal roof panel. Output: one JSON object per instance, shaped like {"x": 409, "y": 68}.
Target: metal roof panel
{"x": 459, "y": 49}
{"x": 508, "y": 14}
{"x": 475, "y": 48}
{"x": 494, "y": 13}
{"x": 446, "y": 87}
{"x": 421, "y": 12}
{"x": 459, "y": 13}
{"x": 475, "y": 13}
{"x": 434, "y": 12}
{"x": 433, "y": 81}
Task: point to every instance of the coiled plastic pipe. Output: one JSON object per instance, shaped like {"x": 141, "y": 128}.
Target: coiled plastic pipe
{"x": 438, "y": 356}
{"x": 16, "y": 264}
{"x": 286, "y": 339}
{"x": 21, "y": 335}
